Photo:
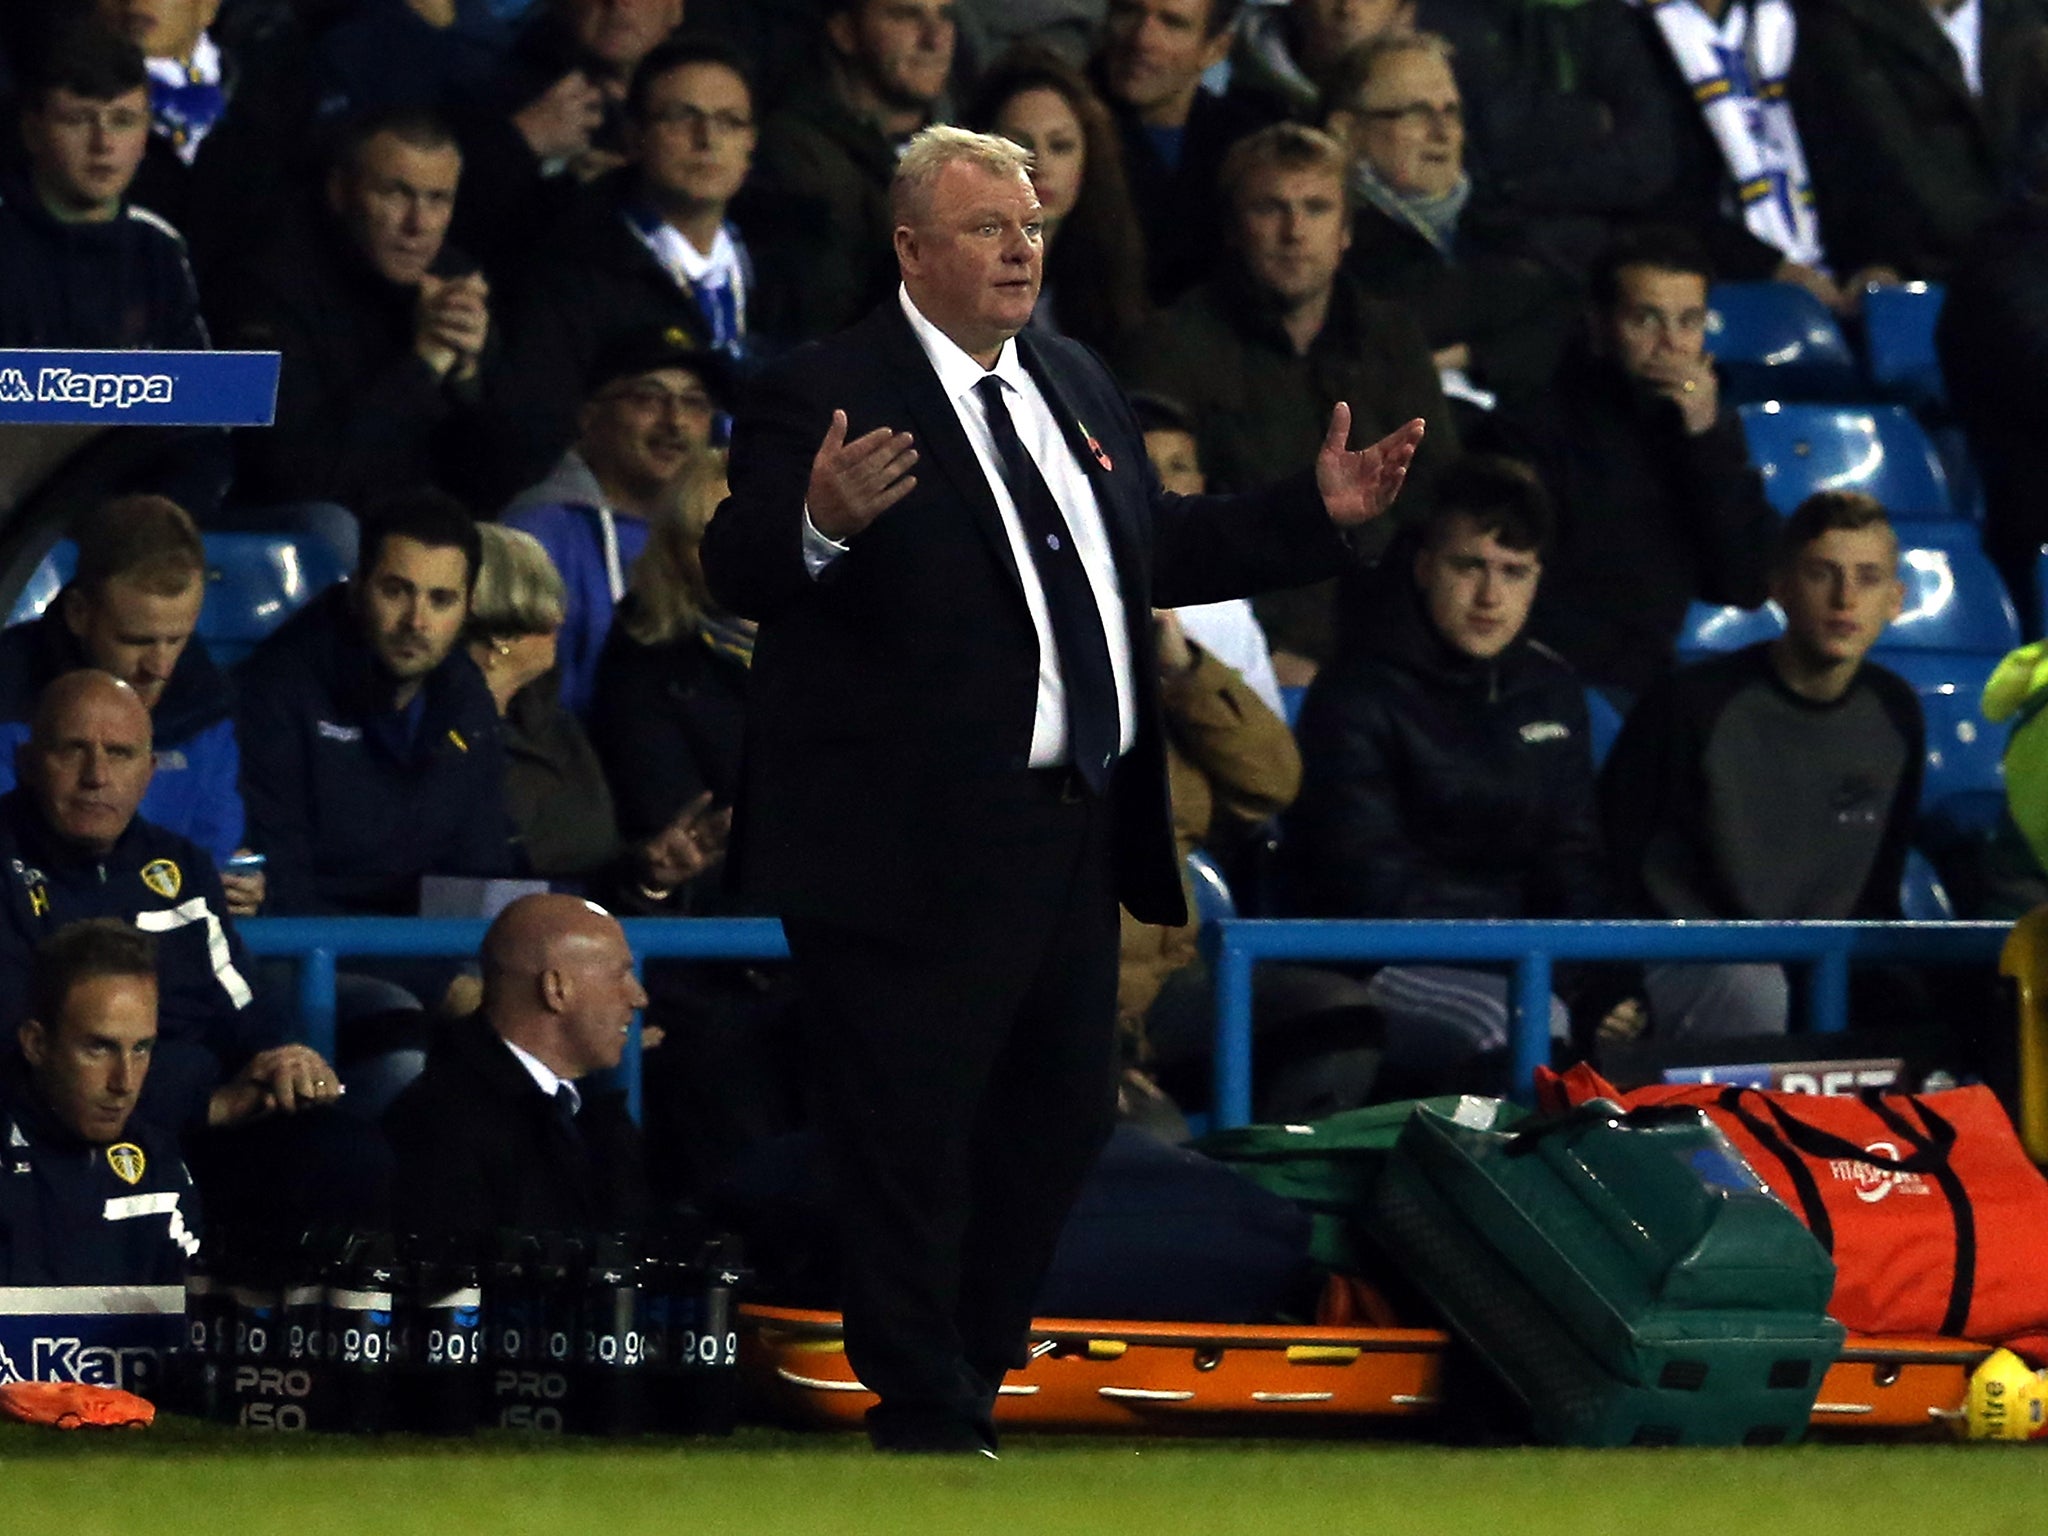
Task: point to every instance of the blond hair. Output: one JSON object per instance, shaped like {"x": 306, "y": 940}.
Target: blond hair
{"x": 518, "y": 589}
{"x": 667, "y": 585}
{"x": 148, "y": 541}
{"x": 1289, "y": 147}
{"x": 931, "y": 150}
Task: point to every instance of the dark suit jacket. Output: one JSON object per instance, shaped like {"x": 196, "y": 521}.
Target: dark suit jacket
{"x": 479, "y": 1147}
{"x": 889, "y": 695}
{"x": 1906, "y": 163}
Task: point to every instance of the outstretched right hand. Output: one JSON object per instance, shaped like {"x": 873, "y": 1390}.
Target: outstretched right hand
{"x": 854, "y": 483}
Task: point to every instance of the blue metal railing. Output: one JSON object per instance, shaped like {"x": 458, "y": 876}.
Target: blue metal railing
{"x": 1532, "y": 948}
{"x": 319, "y": 942}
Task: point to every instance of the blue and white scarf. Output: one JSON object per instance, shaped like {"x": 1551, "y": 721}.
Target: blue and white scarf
{"x": 716, "y": 280}
{"x": 1736, "y": 68}
{"x": 186, "y": 98}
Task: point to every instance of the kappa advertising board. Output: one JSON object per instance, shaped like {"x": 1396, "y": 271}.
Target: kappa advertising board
{"x": 138, "y": 389}
{"x": 99, "y": 1336}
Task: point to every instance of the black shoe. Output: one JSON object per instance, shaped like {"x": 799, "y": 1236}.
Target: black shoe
{"x": 926, "y": 1432}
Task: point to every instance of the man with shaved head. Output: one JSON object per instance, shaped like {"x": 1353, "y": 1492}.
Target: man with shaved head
{"x": 73, "y": 847}
{"x": 132, "y": 609}
{"x": 498, "y": 1132}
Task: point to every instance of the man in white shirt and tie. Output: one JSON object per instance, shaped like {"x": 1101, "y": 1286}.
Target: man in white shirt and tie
{"x": 953, "y": 542}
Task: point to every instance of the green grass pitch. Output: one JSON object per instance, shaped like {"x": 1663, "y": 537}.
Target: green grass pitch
{"x": 180, "y": 1477}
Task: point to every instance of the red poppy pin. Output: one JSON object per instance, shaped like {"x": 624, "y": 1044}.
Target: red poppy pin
{"x": 1096, "y": 448}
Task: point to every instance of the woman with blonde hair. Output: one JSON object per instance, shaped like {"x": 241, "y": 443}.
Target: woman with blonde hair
{"x": 562, "y": 807}
{"x": 669, "y": 700}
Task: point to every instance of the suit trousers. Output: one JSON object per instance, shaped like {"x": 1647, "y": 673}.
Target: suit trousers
{"x": 964, "y": 1079}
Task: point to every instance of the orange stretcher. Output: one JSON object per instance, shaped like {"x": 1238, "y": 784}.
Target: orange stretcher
{"x": 1164, "y": 1378}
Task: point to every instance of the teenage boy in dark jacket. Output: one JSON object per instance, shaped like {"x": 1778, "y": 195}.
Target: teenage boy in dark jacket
{"x": 80, "y": 265}
{"x": 1447, "y": 771}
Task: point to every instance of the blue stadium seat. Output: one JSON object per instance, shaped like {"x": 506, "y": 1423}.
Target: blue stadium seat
{"x": 254, "y": 582}
{"x": 1922, "y": 896}
{"x": 45, "y": 582}
{"x": 1776, "y": 340}
{"x": 1878, "y": 449}
{"x": 1955, "y": 598}
{"x": 1898, "y": 333}
{"x": 1603, "y": 722}
{"x": 1213, "y": 901}
{"x": 1709, "y": 629}
{"x": 1290, "y": 703}
{"x": 1965, "y": 780}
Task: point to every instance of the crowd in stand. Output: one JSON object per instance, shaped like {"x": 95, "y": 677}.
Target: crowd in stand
{"x": 521, "y": 258}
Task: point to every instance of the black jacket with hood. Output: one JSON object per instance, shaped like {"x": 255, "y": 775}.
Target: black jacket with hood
{"x": 1438, "y": 786}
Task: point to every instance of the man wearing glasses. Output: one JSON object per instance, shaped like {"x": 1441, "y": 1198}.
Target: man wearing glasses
{"x": 651, "y": 402}
{"x": 651, "y": 247}
{"x": 1495, "y": 316}
{"x": 81, "y": 266}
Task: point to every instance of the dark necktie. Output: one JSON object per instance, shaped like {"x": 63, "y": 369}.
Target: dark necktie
{"x": 565, "y": 1110}
{"x": 1070, "y": 603}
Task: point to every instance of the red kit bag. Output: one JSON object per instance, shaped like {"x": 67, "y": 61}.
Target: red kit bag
{"x": 1935, "y": 1217}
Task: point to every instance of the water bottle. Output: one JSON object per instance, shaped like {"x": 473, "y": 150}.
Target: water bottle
{"x": 611, "y": 1361}
{"x": 668, "y": 1310}
{"x": 200, "y": 1384}
{"x": 444, "y": 1368}
{"x": 257, "y": 1389}
{"x": 305, "y": 1319}
{"x": 360, "y": 1332}
{"x": 708, "y": 1383}
{"x": 512, "y": 1323}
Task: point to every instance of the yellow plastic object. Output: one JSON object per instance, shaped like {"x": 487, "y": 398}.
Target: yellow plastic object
{"x": 2017, "y": 690}
{"x": 2025, "y": 960}
{"x": 2008, "y": 1400}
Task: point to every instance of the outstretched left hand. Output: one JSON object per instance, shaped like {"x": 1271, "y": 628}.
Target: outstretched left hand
{"x": 1358, "y": 487}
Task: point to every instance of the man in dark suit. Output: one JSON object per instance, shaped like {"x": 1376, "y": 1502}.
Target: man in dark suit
{"x": 496, "y": 1132}
{"x": 955, "y": 769}
{"x": 1912, "y": 113}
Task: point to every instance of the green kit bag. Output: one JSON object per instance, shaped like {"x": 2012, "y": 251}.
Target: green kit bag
{"x": 1328, "y": 1166}
{"x": 1624, "y": 1273}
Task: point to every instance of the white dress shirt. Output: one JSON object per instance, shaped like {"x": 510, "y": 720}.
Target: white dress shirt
{"x": 1964, "y": 25}
{"x": 544, "y": 1076}
{"x": 1230, "y": 632}
{"x": 1040, "y": 432}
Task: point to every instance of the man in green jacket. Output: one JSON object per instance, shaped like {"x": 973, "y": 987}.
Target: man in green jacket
{"x": 1260, "y": 354}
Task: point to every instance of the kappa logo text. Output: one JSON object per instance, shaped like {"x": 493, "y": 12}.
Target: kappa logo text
{"x": 101, "y": 391}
